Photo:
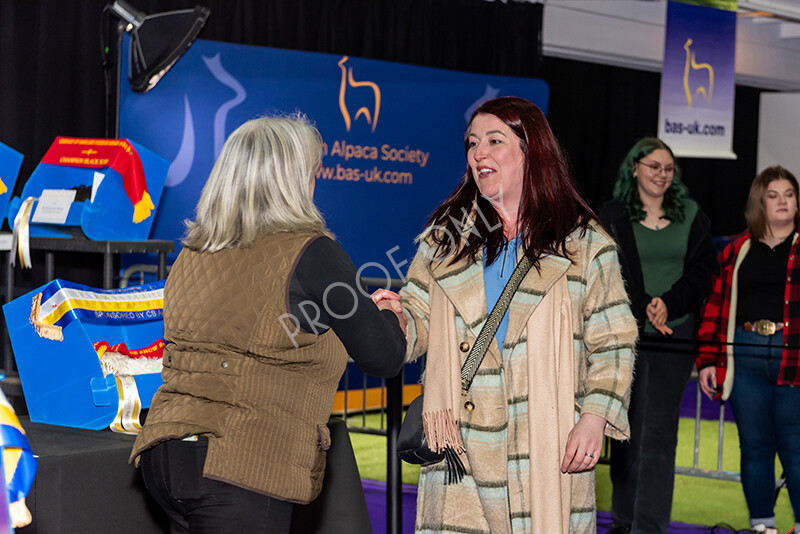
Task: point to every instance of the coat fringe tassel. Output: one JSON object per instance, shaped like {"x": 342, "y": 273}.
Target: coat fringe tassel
{"x": 442, "y": 434}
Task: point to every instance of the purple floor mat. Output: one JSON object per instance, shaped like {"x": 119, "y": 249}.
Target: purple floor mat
{"x": 375, "y": 493}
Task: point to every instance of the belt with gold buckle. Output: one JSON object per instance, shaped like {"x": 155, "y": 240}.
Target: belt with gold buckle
{"x": 765, "y": 327}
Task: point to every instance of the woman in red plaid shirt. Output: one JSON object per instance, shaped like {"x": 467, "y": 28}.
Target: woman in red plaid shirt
{"x": 756, "y": 305}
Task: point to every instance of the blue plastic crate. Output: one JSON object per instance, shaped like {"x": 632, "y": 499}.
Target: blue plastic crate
{"x": 63, "y": 381}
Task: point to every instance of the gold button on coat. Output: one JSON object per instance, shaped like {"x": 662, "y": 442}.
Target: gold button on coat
{"x": 469, "y": 406}
{"x": 464, "y": 346}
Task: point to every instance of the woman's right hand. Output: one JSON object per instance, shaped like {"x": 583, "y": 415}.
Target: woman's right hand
{"x": 707, "y": 377}
{"x": 389, "y": 300}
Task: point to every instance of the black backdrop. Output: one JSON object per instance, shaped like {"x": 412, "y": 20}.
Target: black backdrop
{"x": 51, "y": 75}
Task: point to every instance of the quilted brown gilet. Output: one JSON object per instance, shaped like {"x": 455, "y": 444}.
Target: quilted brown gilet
{"x": 232, "y": 373}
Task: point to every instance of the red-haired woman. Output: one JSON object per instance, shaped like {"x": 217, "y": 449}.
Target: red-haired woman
{"x": 557, "y": 375}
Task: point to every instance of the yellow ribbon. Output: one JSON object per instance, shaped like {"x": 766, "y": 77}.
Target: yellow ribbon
{"x": 130, "y": 406}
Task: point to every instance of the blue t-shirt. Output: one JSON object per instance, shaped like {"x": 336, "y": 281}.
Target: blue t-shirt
{"x": 495, "y": 277}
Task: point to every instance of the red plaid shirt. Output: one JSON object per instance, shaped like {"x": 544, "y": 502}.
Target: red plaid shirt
{"x": 717, "y": 312}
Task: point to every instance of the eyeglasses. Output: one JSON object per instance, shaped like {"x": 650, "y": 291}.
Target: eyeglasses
{"x": 655, "y": 168}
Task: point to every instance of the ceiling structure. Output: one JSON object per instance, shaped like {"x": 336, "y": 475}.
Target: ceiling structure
{"x": 630, "y": 33}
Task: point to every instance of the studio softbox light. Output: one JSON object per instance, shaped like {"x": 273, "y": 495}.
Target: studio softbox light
{"x": 158, "y": 40}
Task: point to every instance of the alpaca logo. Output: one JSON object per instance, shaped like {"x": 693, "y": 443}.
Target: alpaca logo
{"x": 692, "y": 65}
{"x": 488, "y": 94}
{"x": 358, "y": 91}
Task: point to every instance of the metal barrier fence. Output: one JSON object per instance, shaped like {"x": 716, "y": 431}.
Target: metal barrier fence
{"x": 669, "y": 345}
{"x": 390, "y": 411}
{"x": 695, "y": 470}
{"x": 390, "y": 398}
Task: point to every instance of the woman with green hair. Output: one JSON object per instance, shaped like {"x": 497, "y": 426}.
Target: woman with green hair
{"x": 667, "y": 257}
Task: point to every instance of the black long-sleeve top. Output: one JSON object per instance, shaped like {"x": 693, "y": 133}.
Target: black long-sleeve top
{"x": 324, "y": 292}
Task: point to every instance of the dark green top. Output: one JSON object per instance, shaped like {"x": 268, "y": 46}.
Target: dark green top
{"x": 662, "y": 254}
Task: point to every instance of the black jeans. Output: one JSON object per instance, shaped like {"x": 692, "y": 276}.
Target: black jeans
{"x": 643, "y": 469}
{"x": 173, "y": 474}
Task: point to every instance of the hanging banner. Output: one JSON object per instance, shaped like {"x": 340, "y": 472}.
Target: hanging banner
{"x": 393, "y": 135}
{"x": 697, "y": 81}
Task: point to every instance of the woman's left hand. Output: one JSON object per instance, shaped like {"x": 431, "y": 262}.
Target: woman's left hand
{"x": 583, "y": 444}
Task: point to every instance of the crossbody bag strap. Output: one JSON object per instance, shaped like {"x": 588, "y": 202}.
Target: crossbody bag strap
{"x": 489, "y": 329}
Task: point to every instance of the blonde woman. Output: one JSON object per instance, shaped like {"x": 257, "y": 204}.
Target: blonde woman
{"x": 261, "y": 309}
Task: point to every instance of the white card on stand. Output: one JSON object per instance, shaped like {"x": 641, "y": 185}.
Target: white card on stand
{"x": 53, "y": 206}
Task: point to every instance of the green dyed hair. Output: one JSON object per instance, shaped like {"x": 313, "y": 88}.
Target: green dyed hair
{"x": 626, "y": 189}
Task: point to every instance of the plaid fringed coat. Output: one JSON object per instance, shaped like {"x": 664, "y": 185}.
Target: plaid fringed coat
{"x": 590, "y": 370}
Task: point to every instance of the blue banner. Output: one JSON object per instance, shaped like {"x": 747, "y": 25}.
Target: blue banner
{"x": 697, "y": 81}
{"x": 393, "y": 134}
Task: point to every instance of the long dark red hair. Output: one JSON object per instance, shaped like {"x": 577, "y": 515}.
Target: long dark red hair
{"x": 551, "y": 206}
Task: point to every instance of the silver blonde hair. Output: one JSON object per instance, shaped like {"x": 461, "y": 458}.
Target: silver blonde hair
{"x": 260, "y": 184}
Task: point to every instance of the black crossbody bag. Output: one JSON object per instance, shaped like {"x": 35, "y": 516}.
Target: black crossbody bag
{"x": 412, "y": 446}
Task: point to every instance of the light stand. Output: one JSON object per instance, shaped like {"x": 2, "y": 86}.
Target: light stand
{"x": 157, "y": 42}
